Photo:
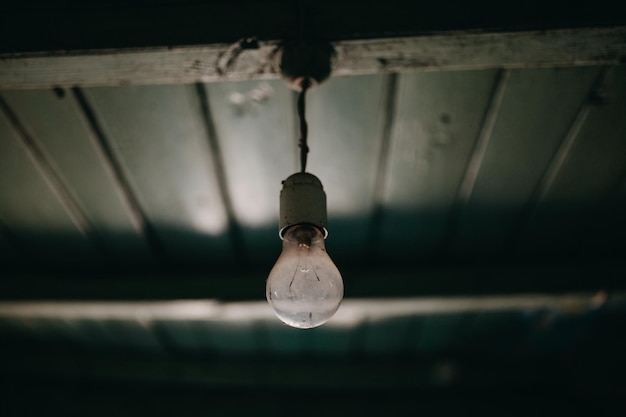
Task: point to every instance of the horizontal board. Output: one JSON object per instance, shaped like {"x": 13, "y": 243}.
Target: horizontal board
{"x": 452, "y": 51}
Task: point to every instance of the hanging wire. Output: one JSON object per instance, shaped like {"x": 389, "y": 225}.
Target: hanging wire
{"x": 304, "y": 130}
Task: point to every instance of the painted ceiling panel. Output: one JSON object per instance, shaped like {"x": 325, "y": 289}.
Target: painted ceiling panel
{"x": 536, "y": 112}
{"x": 56, "y": 122}
{"x": 437, "y": 120}
{"x": 255, "y": 126}
{"x": 280, "y": 339}
{"x": 336, "y": 341}
{"x": 30, "y": 209}
{"x": 7, "y": 251}
{"x": 345, "y": 126}
{"x": 192, "y": 192}
{"x": 134, "y": 335}
{"x": 590, "y": 184}
{"x": 438, "y": 332}
{"x": 222, "y": 338}
{"x": 176, "y": 335}
{"x": 158, "y": 135}
{"x": 390, "y": 335}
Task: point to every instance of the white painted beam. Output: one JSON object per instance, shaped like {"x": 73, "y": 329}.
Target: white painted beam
{"x": 443, "y": 52}
{"x": 351, "y": 313}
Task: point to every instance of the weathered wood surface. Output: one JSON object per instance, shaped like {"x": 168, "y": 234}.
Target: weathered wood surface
{"x": 214, "y": 62}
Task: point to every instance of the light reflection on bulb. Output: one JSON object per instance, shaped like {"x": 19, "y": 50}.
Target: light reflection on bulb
{"x": 304, "y": 287}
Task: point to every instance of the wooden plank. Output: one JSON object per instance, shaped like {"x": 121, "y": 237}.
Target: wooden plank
{"x": 9, "y": 251}
{"x": 335, "y": 340}
{"x": 255, "y": 126}
{"x": 496, "y": 333}
{"x": 55, "y": 120}
{"x": 35, "y": 215}
{"x": 345, "y": 128}
{"x": 451, "y": 51}
{"x": 285, "y": 340}
{"x": 438, "y": 332}
{"x": 134, "y": 335}
{"x": 157, "y": 134}
{"x": 388, "y": 336}
{"x": 580, "y": 212}
{"x": 176, "y": 335}
{"x": 225, "y": 338}
{"x": 437, "y": 121}
{"x": 525, "y": 136}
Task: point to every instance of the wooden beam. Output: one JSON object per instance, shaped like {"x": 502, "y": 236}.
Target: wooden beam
{"x": 249, "y": 59}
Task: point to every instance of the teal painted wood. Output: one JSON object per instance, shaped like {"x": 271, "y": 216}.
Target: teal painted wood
{"x": 536, "y": 111}
{"x": 159, "y": 137}
{"x": 104, "y": 334}
{"x": 336, "y": 340}
{"x": 438, "y": 332}
{"x": 583, "y": 209}
{"x": 32, "y": 211}
{"x": 176, "y": 335}
{"x": 255, "y": 127}
{"x": 227, "y": 338}
{"x": 66, "y": 331}
{"x": 135, "y": 335}
{"x": 499, "y": 332}
{"x": 438, "y": 118}
{"x": 345, "y": 127}
{"x": 62, "y": 131}
{"x": 9, "y": 254}
{"x": 388, "y": 335}
{"x": 285, "y": 340}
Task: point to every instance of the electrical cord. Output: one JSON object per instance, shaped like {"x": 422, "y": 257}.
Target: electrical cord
{"x": 302, "y": 143}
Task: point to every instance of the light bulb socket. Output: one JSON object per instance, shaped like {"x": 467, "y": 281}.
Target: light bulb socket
{"x": 302, "y": 201}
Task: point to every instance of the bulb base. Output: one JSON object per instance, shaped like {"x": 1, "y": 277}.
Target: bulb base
{"x": 302, "y": 201}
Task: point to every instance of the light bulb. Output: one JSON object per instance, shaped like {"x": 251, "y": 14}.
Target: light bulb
{"x": 304, "y": 287}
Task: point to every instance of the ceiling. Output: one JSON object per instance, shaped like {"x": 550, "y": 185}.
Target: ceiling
{"x": 475, "y": 180}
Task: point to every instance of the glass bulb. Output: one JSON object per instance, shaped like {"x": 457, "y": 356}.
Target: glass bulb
{"x": 304, "y": 287}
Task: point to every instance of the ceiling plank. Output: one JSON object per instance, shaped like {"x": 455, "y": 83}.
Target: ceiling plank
{"x": 580, "y": 205}
{"x": 34, "y": 201}
{"x": 220, "y": 175}
{"x": 56, "y": 120}
{"x": 255, "y": 126}
{"x": 346, "y": 121}
{"x": 157, "y": 134}
{"x": 438, "y": 118}
{"x": 451, "y": 51}
{"x": 525, "y": 136}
